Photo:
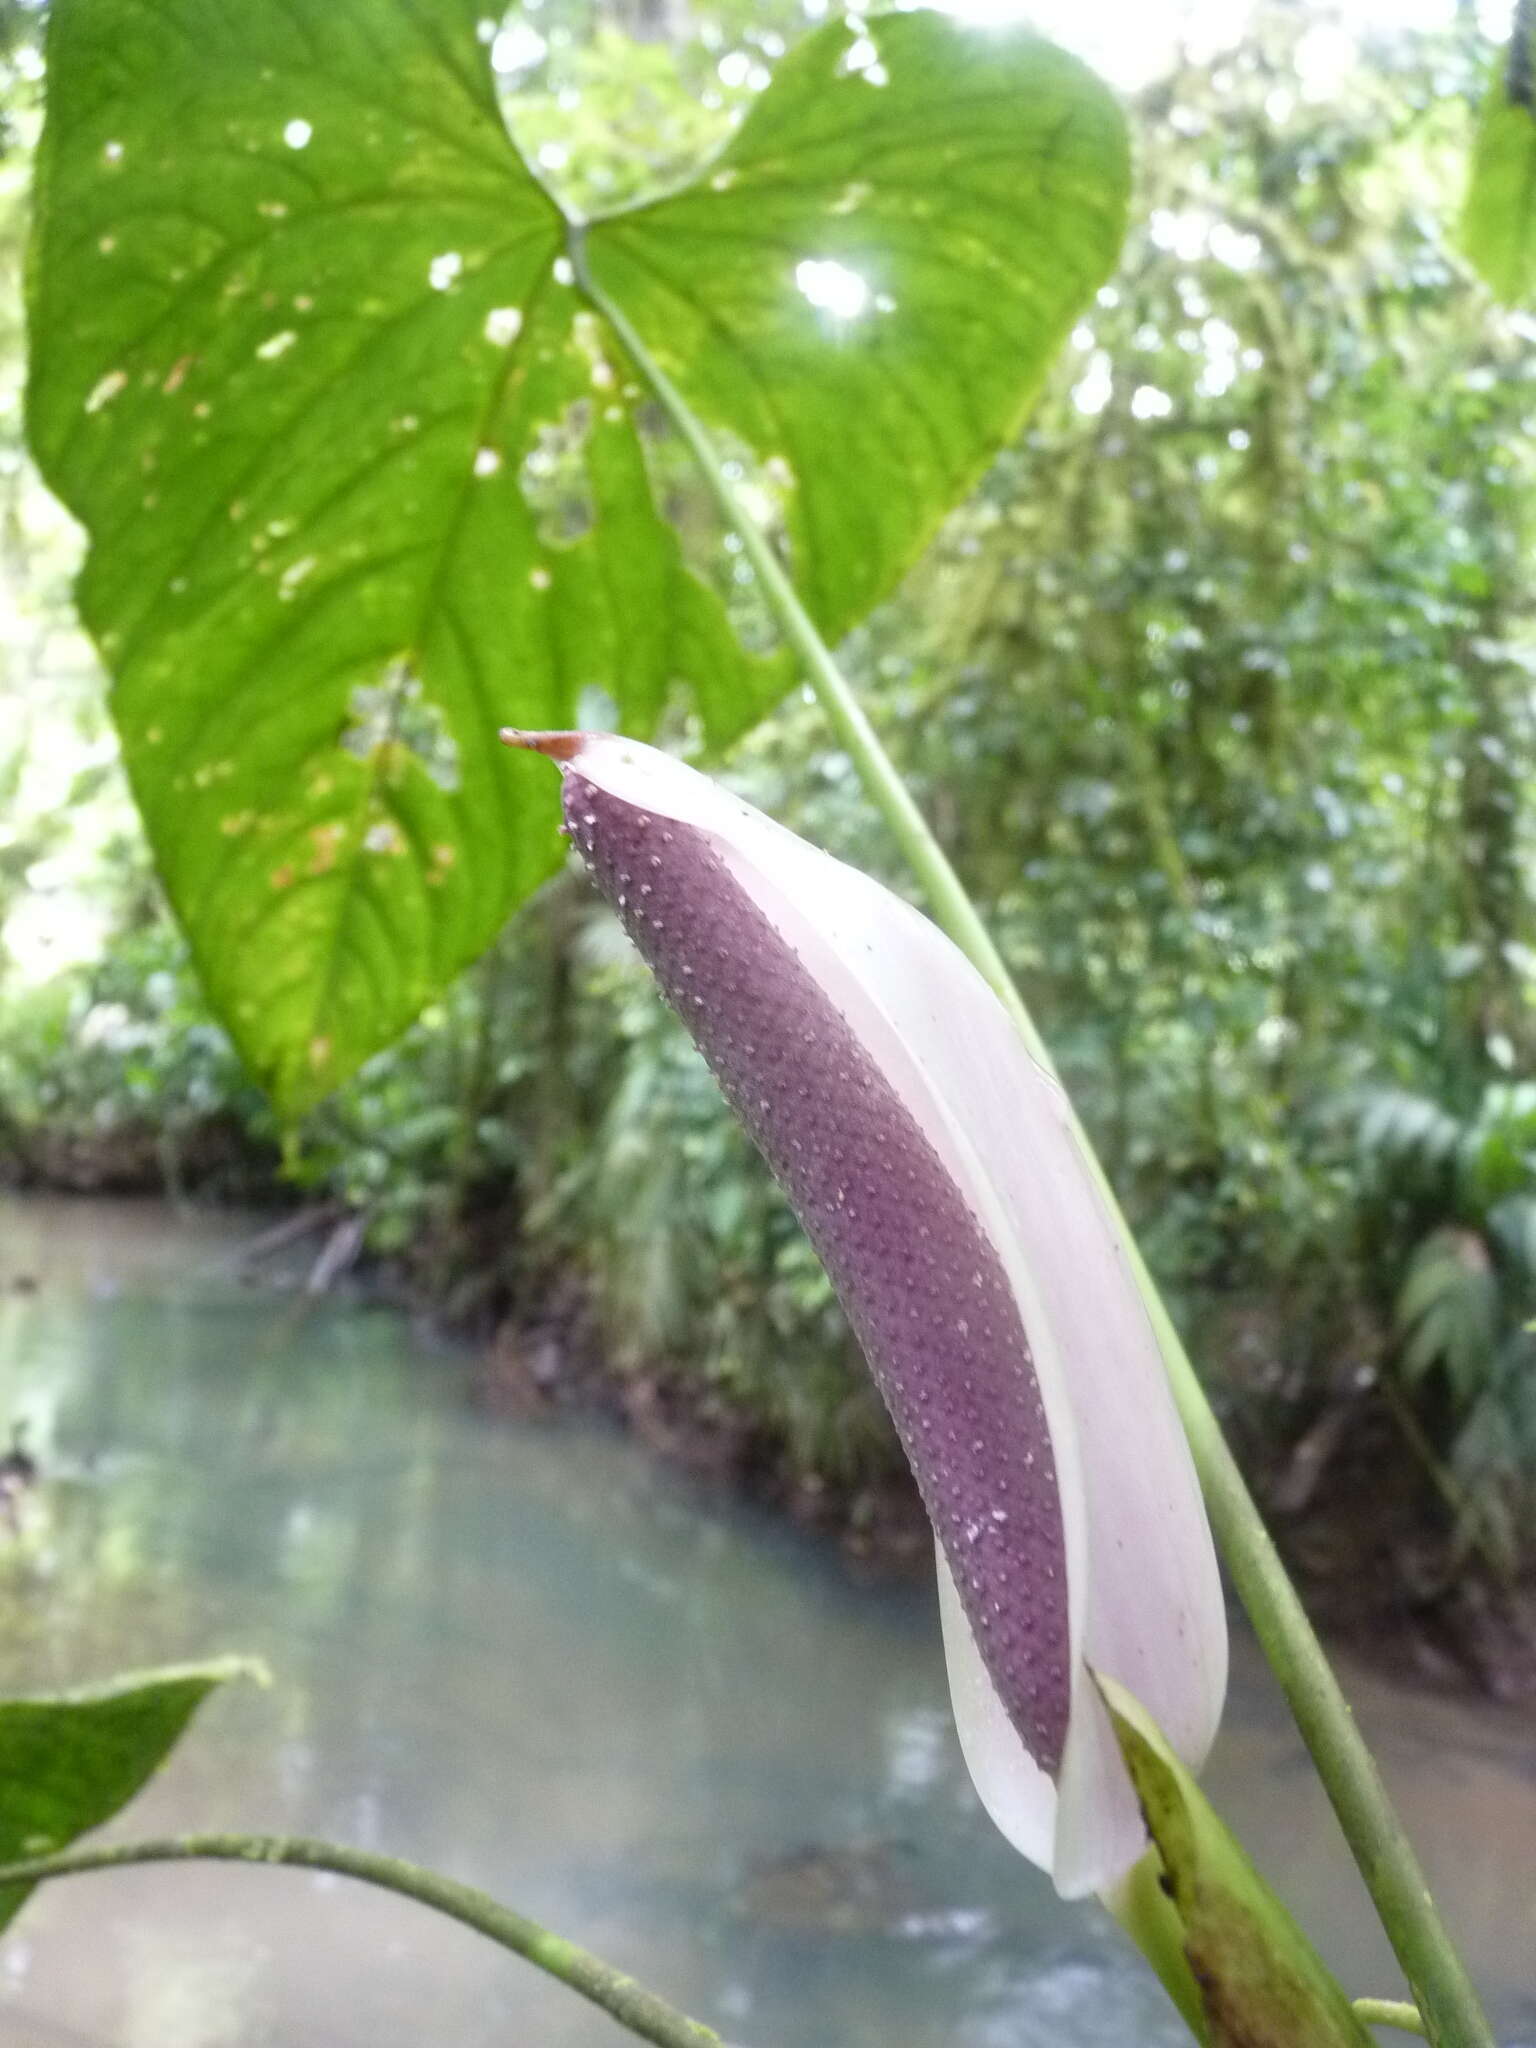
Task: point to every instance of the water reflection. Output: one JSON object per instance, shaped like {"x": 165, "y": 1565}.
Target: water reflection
{"x": 663, "y": 1724}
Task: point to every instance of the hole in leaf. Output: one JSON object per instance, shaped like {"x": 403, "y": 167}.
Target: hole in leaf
{"x": 832, "y": 287}
{"x": 503, "y": 324}
{"x": 554, "y": 480}
{"x": 862, "y": 60}
{"x": 766, "y": 486}
{"x": 392, "y": 721}
{"x": 587, "y": 334}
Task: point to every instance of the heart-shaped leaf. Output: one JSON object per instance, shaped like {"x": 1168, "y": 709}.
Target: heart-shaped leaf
{"x": 68, "y": 1762}
{"x": 365, "y": 477}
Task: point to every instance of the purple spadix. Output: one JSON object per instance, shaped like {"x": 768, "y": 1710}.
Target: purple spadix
{"x": 936, "y": 1170}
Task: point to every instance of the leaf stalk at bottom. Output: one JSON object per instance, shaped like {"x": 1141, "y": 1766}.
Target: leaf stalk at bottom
{"x": 631, "y": 2004}
{"x": 1452, "y": 2013}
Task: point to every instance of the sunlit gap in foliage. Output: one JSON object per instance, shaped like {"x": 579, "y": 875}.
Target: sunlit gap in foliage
{"x": 515, "y": 45}
{"x": 392, "y": 714}
{"x": 1132, "y": 47}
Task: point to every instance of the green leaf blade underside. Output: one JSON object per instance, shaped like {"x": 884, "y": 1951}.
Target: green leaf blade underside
{"x": 362, "y": 482}
{"x": 70, "y": 1761}
{"x": 364, "y": 478}
{"x": 1261, "y": 1982}
{"x": 973, "y": 183}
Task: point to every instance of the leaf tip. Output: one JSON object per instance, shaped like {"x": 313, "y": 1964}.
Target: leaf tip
{"x": 555, "y": 746}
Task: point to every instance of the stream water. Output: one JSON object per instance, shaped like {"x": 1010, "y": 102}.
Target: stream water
{"x": 654, "y": 1719}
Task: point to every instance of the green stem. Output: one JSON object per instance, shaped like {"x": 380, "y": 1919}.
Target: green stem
{"x": 641, "y": 2011}
{"x": 1389, "y": 2012}
{"x": 1387, "y": 1862}
{"x": 951, "y": 906}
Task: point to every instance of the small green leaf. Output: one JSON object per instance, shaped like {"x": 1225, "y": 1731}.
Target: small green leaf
{"x": 1401, "y": 1130}
{"x": 70, "y": 1761}
{"x": 1498, "y": 217}
{"x": 1512, "y": 1224}
{"x": 1447, "y": 1311}
{"x": 1262, "y": 1983}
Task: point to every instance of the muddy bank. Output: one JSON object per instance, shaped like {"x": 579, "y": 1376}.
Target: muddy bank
{"x": 215, "y": 1158}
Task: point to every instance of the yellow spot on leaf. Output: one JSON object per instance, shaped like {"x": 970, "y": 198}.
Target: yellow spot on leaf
{"x": 106, "y": 389}
{"x": 327, "y": 841}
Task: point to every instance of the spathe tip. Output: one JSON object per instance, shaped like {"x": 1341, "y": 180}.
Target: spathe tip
{"x": 555, "y": 746}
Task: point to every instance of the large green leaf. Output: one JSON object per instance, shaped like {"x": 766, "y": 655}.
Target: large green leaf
{"x": 1259, "y": 1981}
{"x": 365, "y": 478}
{"x": 70, "y": 1761}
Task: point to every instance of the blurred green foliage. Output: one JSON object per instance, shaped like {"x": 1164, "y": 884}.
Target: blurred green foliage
{"x": 1447, "y": 1232}
{"x": 117, "y": 1074}
{"x": 1219, "y": 692}
{"x": 1498, "y": 223}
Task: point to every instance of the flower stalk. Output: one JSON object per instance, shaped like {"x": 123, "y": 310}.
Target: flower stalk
{"x": 1445, "y": 1997}
{"x": 631, "y": 2004}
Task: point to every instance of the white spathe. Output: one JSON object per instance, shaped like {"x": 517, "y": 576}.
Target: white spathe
{"x": 1144, "y": 1595}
